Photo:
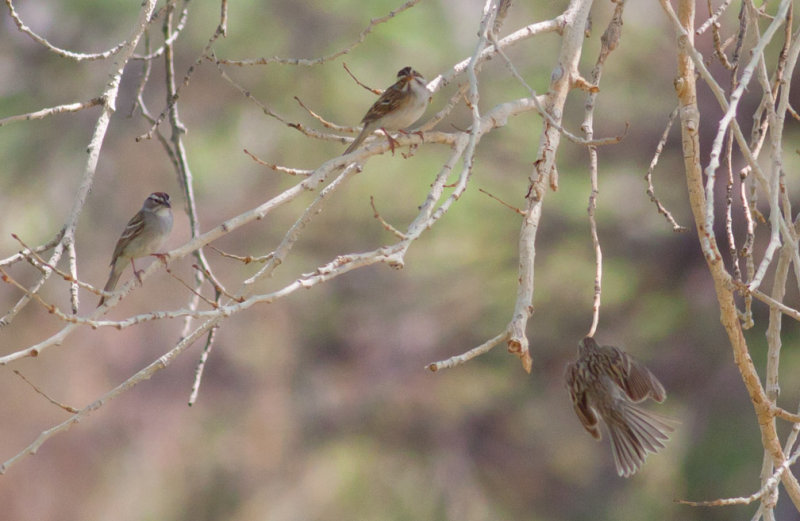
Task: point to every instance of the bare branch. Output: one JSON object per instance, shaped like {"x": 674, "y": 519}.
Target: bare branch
{"x": 713, "y": 19}
{"x": 463, "y": 358}
{"x": 512, "y": 208}
{"x": 61, "y": 52}
{"x": 317, "y": 61}
{"x": 60, "y": 109}
{"x": 283, "y": 169}
{"x": 201, "y": 365}
{"x": 771, "y": 483}
{"x": 386, "y": 226}
{"x": 160, "y": 363}
{"x": 377, "y": 92}
{"x": 649, "y": 176}
{"x": 51, "y": 400}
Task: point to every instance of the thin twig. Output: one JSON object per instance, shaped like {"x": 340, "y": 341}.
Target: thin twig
{"x": 719, "y": 52}
{"x": 317, "y": 61}
{"x": 51, "y": 400}
{"x": 649, "y": 176}
{"x": 510, "y": 207}
{"x": 144, "y": 374}
{"x": 36, "y": 260}
{"x": 201, "y": 366}
{"x": 732, "y": 251}
{"x": 375, "y": 91}
{"x": 39, "y": 249}
{"x": 269, "y": 112}
{"x": 60, "y": 109}
{"x": 388, "y": 227}
{"x": 771, "y": 483}
{"x": 322, "y": 120}
{"x": 217, "y": 284}
{"x": 246, "y": 259}
{"x": 713, "y": 19}
{"x": 191, "y": 289}
{"x": 445, "y": 111}
{"x": 609, "y": 42}
{"x": 148, "y": 56}
{"x": 206, "y": 53}
{"x": 293, "y": 234}
{"x": 463, "y": 358}
{"x": 283, "y": 169}
{"x": 62, "y": 52}
{"x": 147, "y": 65}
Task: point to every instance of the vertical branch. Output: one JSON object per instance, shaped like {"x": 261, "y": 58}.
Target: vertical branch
{"x": 201, "y": 365}
{"x": 747, "y": 314}
{"x": 223, "y": 18}
{"x": 598, "y": 252}
{"x": 648, "y": 177}
{"x": 773, "y": 360}
{"x": 690, "y": 124}
{"x": 561, "y": 80}
{"x": 187, "y": 184}
{"x": 609, "y": 42}
{"x": 737, "y": 272}
{"x": 73, "y": 271}
{"x": 178, "y": 129}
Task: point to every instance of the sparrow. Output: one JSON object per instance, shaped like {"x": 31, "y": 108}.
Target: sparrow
{"x": 144, "y": 235}
{"x": 398, "y": 107}
{"x": 606, "y": 383}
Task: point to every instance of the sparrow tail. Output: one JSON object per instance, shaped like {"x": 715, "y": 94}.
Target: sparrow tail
{"x": 357, "y": 141}
{"x": 113, "y": 278}
{"x": 634, "y": 434}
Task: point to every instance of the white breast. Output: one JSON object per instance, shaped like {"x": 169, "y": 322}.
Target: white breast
{"x": 406, "y": 117}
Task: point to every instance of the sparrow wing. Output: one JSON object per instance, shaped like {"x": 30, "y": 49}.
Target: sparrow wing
{"x": 133, "y": 228}
{"x": 632, "y": 376}
{"x": 392, "y": 98}
{"x": 580, "y": 403}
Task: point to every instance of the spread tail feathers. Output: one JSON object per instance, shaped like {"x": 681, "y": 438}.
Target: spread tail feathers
{"x": 634, "y": 435}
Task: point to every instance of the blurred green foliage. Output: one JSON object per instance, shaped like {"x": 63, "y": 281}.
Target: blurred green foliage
{"x": 317, "y": 407}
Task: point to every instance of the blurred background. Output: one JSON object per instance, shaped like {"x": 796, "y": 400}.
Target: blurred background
{"x": 317, "y": 407}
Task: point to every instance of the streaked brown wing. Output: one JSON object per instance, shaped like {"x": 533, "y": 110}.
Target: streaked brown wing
{"x": 133, "y": 228}
{"x": 642, "y": 383}
{"x": 615, "y": 364}
{"x": 392, "y": 98}
{"x": 632, "y": 376}
{"x": 580, "y": 403}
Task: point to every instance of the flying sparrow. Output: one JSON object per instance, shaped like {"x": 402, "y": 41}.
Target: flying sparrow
{"x": 397, "y": 108}
{"x": 607, "y": 382}
{"x": 144, "y": 234}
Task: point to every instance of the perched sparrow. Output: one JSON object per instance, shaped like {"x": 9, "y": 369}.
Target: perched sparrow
{"x": 144, "y": 234}
{"x": 398, "y": 107}
{"x": 607, "y": 382}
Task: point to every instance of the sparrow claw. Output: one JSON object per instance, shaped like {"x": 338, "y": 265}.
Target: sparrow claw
{"x": 392, "y": 141}
{"x": 163, "y": 257}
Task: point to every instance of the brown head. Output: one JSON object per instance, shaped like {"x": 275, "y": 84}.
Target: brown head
{"x": 587, "y": 345}
{"x": 407, "y": 74}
